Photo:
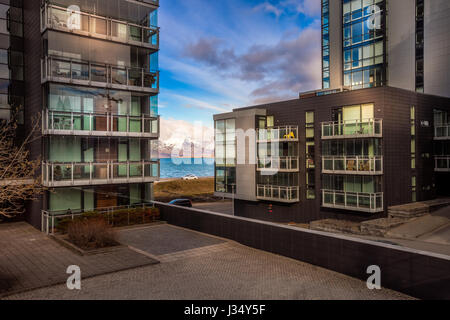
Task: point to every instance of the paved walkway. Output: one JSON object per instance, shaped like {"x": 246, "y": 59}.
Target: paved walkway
{"x": 164, "y": 239}
{"x": 215, "y": 269}
{"x": 225, "y": 207}
{"x": 29, "y": 260}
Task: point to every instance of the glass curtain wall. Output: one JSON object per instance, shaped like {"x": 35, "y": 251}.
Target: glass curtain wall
{"x": 11, "y": 60}
{"x": 225, "y": 144}
{"x": 117, "y": 9}
{"x": 325, "y": 45}
{"x": 363, "y": 43}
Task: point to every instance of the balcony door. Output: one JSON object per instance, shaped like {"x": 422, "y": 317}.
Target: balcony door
{"x": 107, "y": 197}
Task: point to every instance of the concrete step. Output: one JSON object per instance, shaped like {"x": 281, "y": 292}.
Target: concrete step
{"x": 417, "y": 209}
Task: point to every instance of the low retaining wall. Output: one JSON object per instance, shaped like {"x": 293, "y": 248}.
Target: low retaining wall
{"x": 420, "y": 274}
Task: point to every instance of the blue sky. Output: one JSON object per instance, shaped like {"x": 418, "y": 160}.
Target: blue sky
{"x": 217, "y": 55}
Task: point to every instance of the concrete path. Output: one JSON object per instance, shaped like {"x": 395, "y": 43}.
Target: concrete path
{"x": 165, "y": 239}
{"x": 29, "y": 260}
{"x": 220, "y": 270}
{"x": 225, "y": 207}
{"x": 434, "y": 228}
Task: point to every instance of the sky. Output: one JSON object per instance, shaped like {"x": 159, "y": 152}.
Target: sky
{"x": 217, "y": 55}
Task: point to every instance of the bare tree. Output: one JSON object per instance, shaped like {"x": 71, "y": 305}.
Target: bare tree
{"x": 18, "y": 174}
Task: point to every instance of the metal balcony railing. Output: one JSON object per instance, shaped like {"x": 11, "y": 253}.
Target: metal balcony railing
{"x": 442, "y": 164}
{"x": 282, "y": 134}
{"x": 354, "y": 201}
{"x": 279, "y": 164}
{"x": 99, "y": 75}
{"x": 56, "y": 174}
{"x": 59, "y": 18}
{"x": 50, "y": 219}
{"x": 353, "y": 129}
{"x": 352, "y": 165}
{"x": 442, "y": 132}
{"x": 278, "y": 193}
{"x": 90, "y": 124}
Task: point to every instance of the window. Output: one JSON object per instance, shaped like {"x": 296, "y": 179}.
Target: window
{"x": 310, "y": 156}
{"x": 413, "y": 137}
{"x": 225, "y": 149}
{"x": 325, "y": 45}
{"x": 363, "y": 46}
{"x": 419, "y": 46}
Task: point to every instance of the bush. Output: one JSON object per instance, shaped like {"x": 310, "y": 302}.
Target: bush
{"x": 118, "y": 218}
{"x": 92, "y": 233}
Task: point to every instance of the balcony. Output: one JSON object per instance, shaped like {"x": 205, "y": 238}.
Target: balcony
{"x": 100, "y": 75}
{"x": 278, "y": 164}
{"x": 89, "y": 25}
{"x": 371, "y": 128}
{"x": 353, "y": 201}
{"x": 278, "y": 134}
{"x": 442, "y": 164}
{"x": 101, "y": 125}
{"x": 352, "y": 165}
{"x": 278, "y": 194}
{"x": 442, "y": 132}
{"x": 90, "y": 173}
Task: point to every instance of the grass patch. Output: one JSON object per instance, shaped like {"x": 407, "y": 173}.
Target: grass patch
{"x": 197, "y": 190}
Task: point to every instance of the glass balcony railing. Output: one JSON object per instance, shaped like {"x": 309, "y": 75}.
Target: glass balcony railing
{"x": 99, "y": 75}
{"x": 353, "y": 129}
{"x": 89, "y": 124}
{"x": 285, "y": 133}
{"x": 442, "y": 164}
{"x": 278, "y": 193}
{"x": 354, "y": 201}
{"x": 90, "y": 173}
{"x": 352, "y": 165}
{"x": 279, "y": 164}
{"x": 59, "y": 18}
{"x": 442, "y": 132}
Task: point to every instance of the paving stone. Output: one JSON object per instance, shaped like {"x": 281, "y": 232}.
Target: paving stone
{"x": 29, "y": 260}
{"x": 223, "y": 271}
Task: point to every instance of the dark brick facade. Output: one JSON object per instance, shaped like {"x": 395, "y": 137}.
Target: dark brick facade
{"x": 393, "y": 106}
{"x": 33, "y": 97}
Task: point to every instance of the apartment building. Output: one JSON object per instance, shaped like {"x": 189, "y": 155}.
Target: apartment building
{"x": 375, "y": 136}
{"x": 92, "y": 74}
{"x": 11, "y": 60}
{"x": 399, "y": 43}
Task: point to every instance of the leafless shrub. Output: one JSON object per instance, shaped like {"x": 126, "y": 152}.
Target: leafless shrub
{"x": 18, "y": 173}
{"x": 92, "y": 234}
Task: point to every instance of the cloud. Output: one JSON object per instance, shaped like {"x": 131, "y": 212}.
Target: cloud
{"x": 309, "y": 8}
{"x": 281, "y": 69}
{"x": 207, "y": 50}
{"x": 270, "y": 8}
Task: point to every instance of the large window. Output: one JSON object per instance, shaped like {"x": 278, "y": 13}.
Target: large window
{"x": 310, "y": 156}
{"x": 351, "y": 183}
{"x": 117, "y": 9}
{"x": 102, "y": 52}
{"x": 420, "y": 45}
{"x": 91, "y": 100}
{"x": 84, "y": 150}
{"x": 11, "y": 20}
{"x": 225, "y": 144}
{"x": 325, "y": 45}
{"x": 352, "y": 148}
{"x": 363, "y": 42}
